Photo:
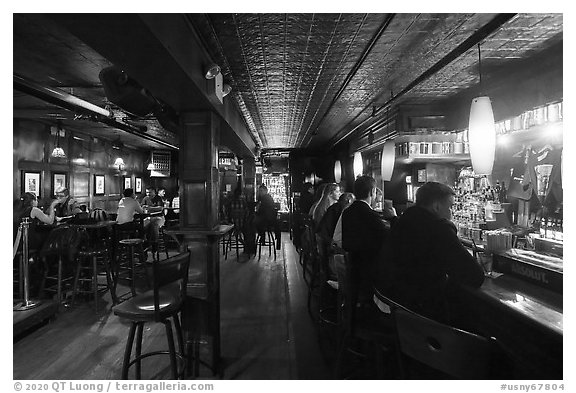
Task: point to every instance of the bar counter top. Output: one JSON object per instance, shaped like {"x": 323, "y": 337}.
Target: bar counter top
{"x": 542, "y": 306}
{"x": 526, "y": 320}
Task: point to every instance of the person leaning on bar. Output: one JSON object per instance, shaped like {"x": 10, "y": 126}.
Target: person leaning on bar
{"x": 423, "y": 255}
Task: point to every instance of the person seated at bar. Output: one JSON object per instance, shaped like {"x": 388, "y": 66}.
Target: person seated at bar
{"x": 66, "y": 206}
{"x": 152, "y": 203}
{"x": 423, "y": 254}
{"x": 363, "y": 234}
{"x": 127, "y": 207}
{"x": 332, "y": 215}
{"x": 330, "y": 196}
{"x": 265, "y": 215}
{"x": 317, "y": 198}
{"x": 29, "y": 208}
{"x": 162, "y": 196}
{"x": 37, "y": 233}
{"x": 306, "y": 198}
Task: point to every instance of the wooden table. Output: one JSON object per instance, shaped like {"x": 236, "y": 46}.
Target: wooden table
{"x": 201, "y": 313}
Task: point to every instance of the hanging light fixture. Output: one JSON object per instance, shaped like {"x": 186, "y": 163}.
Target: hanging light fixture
{"x": 58, "y": 152}
{"x": 388, "y": 158}
{"x": 358, "y": 165}
{"x": 481, "y": 131}
{"x": 337, "y": 171}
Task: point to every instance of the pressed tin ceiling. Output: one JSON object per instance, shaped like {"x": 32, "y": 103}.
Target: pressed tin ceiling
{"x": 298, "y": 80}
{"x": 305, "y": 80}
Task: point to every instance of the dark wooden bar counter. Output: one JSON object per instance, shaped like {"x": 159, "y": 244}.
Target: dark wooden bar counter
{"x": 527, "y": 321}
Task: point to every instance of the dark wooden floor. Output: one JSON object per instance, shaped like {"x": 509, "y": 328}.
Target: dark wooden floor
{"x": 267, "y": 332}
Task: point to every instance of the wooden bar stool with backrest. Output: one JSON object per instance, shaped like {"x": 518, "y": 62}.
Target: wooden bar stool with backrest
{"x": 94, "y": 260}
{"x": 162, "y": 304}
{"x": 267, "y": 239}
{"x": 63, "y": 244}
{"x": 443, "y": 350}
{"x": 453, "y": 352}
{"x": 236, "y": 236}
{"x": 374, "y": 330}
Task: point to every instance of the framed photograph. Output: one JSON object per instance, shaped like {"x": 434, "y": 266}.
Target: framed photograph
{"x": 59, "y": 180}
{"x": 138, "y": 185}
{"x": 422, "y": 178}
{"x": 98, "y": 184}
{"x": 127, "y": 182}
{"x": 31, "y": 182}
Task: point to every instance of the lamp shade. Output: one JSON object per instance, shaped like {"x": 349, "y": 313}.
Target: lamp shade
{"x": 337, "y": 171}
{"x": 358, "y": 165}
{"x": 388, "y": 158}
{"x": 482, "y": 136}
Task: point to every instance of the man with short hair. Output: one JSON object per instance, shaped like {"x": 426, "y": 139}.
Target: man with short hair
{"x": 363, "y": 234}
{"x": 424, "y": 254}
{"x": 66, "y": 206}
{"x": 155, "y": 206}
{"x": 127, "y": 207}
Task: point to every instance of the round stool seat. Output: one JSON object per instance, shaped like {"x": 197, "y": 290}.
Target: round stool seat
{"x": 93, "y": 252}
{"x": 131, "y": 242}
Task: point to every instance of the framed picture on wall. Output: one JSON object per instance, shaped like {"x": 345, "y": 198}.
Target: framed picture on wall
{"x": 98, "y": 184}
{"x": 422, "y": 177}
{"x": 138, "y": 185}
{"x": 59, "y": 180}
{"x": 127, "y": 182}
{"x": 31, "y": 182}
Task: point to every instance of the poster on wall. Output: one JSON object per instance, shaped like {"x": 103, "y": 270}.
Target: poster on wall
{"x": 127, "y": 182}
{"x": 31, "y": 183}
{"x": 138, "y": 187}
{"x": 98, "y": 184}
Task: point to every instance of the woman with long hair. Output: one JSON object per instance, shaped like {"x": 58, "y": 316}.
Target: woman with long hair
{"x": 29, "y": 209}
{"x": 330, "y": 196}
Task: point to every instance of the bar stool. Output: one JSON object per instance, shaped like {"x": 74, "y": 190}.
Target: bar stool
{"x": 63, "y": 243}
{"x": 159, "y": 246}
{"x": 267, "y": 239}
{"x": 161, "y": 304}
{"x": 126, "y": 267}
{"x": 90, "y": 264}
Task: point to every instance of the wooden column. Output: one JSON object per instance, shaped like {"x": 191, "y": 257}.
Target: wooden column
{"x": 198, "y": 169}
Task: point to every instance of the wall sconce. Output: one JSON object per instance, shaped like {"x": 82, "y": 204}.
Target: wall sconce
{"x": 337, "y": 171}
{"x": 212, "y": 71}
{"x": 358, "y": 164}
{"x": 226, "y": 89}
{"x": 388, "y": 159}
{"x": 58, "y": 152}
{"x": 481, "y": 131}
{"x": 119, "y": 163}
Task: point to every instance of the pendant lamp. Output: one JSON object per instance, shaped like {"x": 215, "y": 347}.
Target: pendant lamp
{"x": 481, "y": 131}
{"x": 387, "y": 161}
{"x": 337, "y": 171}
{"x": 58, "y": 152}
{"x": 358, "y": 165}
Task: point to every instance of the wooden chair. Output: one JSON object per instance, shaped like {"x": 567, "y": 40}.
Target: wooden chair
{"x": 454, "y": 352}
{"x": 161, "y": 304}
{"x": 360, "y": 325}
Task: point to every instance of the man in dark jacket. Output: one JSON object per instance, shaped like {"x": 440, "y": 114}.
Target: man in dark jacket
{"x": 423, "y": 254}
{"x": 363, "y": 234}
